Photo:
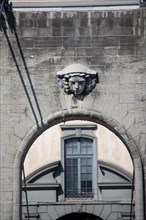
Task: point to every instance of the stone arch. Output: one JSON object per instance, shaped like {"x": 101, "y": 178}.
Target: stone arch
{"x": 76, "y": 114}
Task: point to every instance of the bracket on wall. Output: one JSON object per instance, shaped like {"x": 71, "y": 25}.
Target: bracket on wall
{"x": 77, "y": 79}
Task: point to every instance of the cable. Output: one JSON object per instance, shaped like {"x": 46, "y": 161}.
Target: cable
{"x": 27, "y": 72}
{"x": 132, "y": 191}
{"x": 2, "y": 6}
{"x": 2, "y": 20}
{"x": 25, "y": 190}
{"x": 21, "y": 77}
{"x": 12, "y": 25}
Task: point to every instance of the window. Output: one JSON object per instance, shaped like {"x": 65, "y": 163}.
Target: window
{"x": 79, "y": 161}
{"x": 78, "y": 167}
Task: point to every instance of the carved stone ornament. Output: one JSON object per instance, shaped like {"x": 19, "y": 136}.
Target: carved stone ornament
{"x": 77, "y": 79}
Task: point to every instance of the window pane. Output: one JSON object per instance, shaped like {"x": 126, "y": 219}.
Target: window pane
{"x": 89, "y": 177}
{"x": 75, "y": 185}
{"x": 68, "y": 184}
{"x": 89, "y": 146}
{"x": 67, "y": 176}
{"x": 83, "y": 169}
{"x": 71, "y": 146}
{"x": 68, "y": 150}
{"x": 86, "y": 146}
{"x": 83, "y": 177}
{"x": 89, "y": 149}
{"x": 74, "y": 161}
{"x": 68, "y": 162}
{"x": 78, "y": 167}
{"x": 83, "y": 162}
{"x": 89, "y": 184}
{"x": 83, "y": 184}
{"x": 83, "y": 149}
{"x": 82, "y": 146}
{"x": 75, "y": 149}
{"x": 89, "y": 169}
{"x": 74, "y": 140}
{"x": 89, "y": 161}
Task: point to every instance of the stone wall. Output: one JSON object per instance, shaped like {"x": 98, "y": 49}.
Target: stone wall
{"x": 111, "y": 42}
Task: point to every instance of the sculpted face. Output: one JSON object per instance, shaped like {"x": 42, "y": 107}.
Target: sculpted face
{"x": 77, "y": 79}
{"x": 76, "y": 84}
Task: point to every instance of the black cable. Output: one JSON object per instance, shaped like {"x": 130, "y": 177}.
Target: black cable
{"x": 25, "y": 190}
{"x": 21, "y": 77}
{"x": 12, "y": 25}
{"x": 2, "y": 6}
{"x": 132, "y": 192}
{"x": 2, "y": 20}
{"x": 27, "y": 72}
{"x": 8, "y": 8}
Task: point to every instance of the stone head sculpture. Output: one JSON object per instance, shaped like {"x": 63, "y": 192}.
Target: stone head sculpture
{"x": 77, "y": 79}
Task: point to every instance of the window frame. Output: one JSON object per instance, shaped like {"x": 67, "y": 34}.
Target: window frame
{"x": 88, "y": 133}
{"x": 77, "y": 158}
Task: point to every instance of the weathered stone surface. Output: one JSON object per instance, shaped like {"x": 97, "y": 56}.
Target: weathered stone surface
{"x": 52, "y": 213}
{"x": 110, "y": 42}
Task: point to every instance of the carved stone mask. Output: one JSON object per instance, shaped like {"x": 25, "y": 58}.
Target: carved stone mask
{"x": 77, "y": 84}
{"x": 77, "y": 79}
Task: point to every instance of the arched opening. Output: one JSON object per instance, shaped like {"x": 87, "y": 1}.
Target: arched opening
{"x": 59, "y": 117}
{"x": 45, "y": 170}
{"x": 79, "y": 216}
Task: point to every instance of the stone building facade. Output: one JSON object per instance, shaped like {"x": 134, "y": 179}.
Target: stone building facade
{"x": 110, "y": 42}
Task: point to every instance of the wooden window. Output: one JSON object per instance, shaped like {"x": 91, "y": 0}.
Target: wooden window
{"x": 78, "y": 167}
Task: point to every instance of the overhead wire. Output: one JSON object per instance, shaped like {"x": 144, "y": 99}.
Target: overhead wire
{"x": 132, "y": 195}
{"x": 21, "y": 77}
{"x": 25, "y": 190}
{"x": 1, "y": 9}
{"x": 8, "y": 9}
{"x": 30, "y": 81}
{"x": 12, "y": 24}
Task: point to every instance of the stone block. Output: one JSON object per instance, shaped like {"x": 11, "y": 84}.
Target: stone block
{"x": 107, "y": 209}
{"x": 40, "y": 19}
{"x": 128, "y": 120}
{"x": 90, "y": 208}
{"x": 7, "y": 198}
{"x": 22, "y": 128}
{"x": 141, "y": 142}
{"x": 68, "y": 208}
{"x": 120, "y": 112}
{"x": 98, "y": 209}
{"x": 42, "y": 209}
{"x": 113, "y": 216}
{"x": 52, "y": 213}
{"x": 83, "y": 208}
{"x": 116, "y": 208}
{"x": 127, "y": 98}
{"x": 14, "y": 140}
{"x": 44, "y": 216}
{"x": 136, "y": 129}
{"x": 111, "y": 104}
{"x": 89, "y": 101}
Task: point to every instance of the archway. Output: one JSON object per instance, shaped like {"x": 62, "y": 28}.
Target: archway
{"x": 79, "y": 216}
{"x": 115, "y": 127}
